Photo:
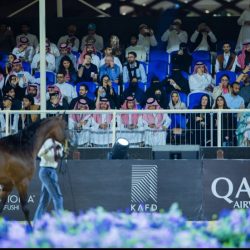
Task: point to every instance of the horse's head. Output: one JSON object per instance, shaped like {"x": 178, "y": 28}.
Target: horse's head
{"x": 58, "y": 128}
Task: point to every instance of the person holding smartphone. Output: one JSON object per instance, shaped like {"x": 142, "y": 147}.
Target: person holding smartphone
{"x": 87, "y": 71}
{"x": 174, "y": 36}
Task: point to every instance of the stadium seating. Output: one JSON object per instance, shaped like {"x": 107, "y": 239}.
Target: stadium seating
{"x": 158, "y": 55}
{"x": 27, "y": 67}
{"x": 76, "y": 54}
{"x": 230, "y": 74}
{"x": 116, "y": 87}
{"x": 50, "y": 77}
{"x": 158, "y": 64}
{"x": 141, "y": 85}
{"x": 178, "y": 121}
{"x": 201, "y": 56}
{"x": 92, "y": 87}
{"x": 193, "y": 98}
{"x": 158, "y": 69}
{"x": 3, "y": 56}
{"x": 2, "y": 65}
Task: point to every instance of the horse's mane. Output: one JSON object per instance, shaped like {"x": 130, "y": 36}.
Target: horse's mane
{"x": 25, "y": 137}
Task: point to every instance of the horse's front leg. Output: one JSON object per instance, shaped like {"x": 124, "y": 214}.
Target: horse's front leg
{"x": 22, "y": 188}
{"x": 4, "y": 193}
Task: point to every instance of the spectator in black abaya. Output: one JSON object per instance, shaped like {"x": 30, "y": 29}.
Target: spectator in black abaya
{"x": 176, "y": 81}
{"x": 199, "y": 124}
{"x": 158, "y": 92}
{"x": 182, "y": 58}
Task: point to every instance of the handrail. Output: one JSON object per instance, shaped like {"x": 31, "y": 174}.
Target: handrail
{"x": 119, "y": 111}
{"x": 115, "y": 112}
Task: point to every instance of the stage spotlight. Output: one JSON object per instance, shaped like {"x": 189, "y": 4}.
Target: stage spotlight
{"x": 119, "y": 150}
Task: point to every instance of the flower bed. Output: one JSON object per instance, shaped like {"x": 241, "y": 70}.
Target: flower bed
{"x": 98, "y": 228}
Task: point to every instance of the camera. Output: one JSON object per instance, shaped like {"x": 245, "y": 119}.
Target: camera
{"x": 203, "y": 29}
{"x": 174, "y": 27}
{"x": 147, "y": 31}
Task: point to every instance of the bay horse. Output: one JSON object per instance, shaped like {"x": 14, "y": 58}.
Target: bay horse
{"x": 18, "y": 153}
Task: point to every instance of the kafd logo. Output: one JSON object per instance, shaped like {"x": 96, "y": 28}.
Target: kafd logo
{"x": 144, "y": 188}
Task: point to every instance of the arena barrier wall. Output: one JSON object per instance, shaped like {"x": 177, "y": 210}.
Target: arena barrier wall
{"x": 200, "y": 187}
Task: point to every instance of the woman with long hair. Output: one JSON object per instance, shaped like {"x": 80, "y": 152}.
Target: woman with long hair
{"x": 117, "y": 49}
{"x": 8, "y": 65}
{"x": 223, "y": 88}
{"x": 228, "y": 124}
{"x": 67, "y": 67}
{"x": 175, "y": 101}
{"x": 199, "y": 124}
{"x": 179, "y": 121}
{"x": 106, "y": 90}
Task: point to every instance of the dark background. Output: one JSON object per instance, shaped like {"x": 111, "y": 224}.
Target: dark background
{"x": 225, "y": 28}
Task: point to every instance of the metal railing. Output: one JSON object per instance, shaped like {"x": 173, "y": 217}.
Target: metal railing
{"x": 187, "y": 133}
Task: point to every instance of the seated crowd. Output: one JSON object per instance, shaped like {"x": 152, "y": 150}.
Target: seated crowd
{"x": 86, "y": 76}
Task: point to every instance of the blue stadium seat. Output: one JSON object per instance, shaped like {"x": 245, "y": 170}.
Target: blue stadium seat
{"x": 3, "y": 56}
{"x": 178, "y": 121}
{"x": 141, "y": 85}
{"x": 158, "y": 55}
{"x": 50, "y": 77}
{"x": 91, "y": 85}
{"x": 76, "y": 54}
{"x": 185, "y": 74}
{"x": 27, "y": 66}
{"x": 116, "y": 87}
{"x": 2, "y": 65}
{"x": 230, "y": 74}
{"x": 158, "y": 69}
{"x": 193, "y": 98}
{"x": 201, "y": 55}
{"x": 158, "y": 64}
{"x": 91, "y": 96}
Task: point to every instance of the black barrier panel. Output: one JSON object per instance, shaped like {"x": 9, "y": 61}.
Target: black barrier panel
{"x": 98, "y": 183}
{"x": 180, "y": 181}
{"x": 102, "y": 153}
{"x": 109, "y": 184}
{"x": 225, "y": 186}
{"x": 228, "y": 152}
{"x": 126, "y": 185}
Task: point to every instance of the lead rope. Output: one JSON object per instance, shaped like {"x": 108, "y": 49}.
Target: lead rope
{"x": 66, "y": 169}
